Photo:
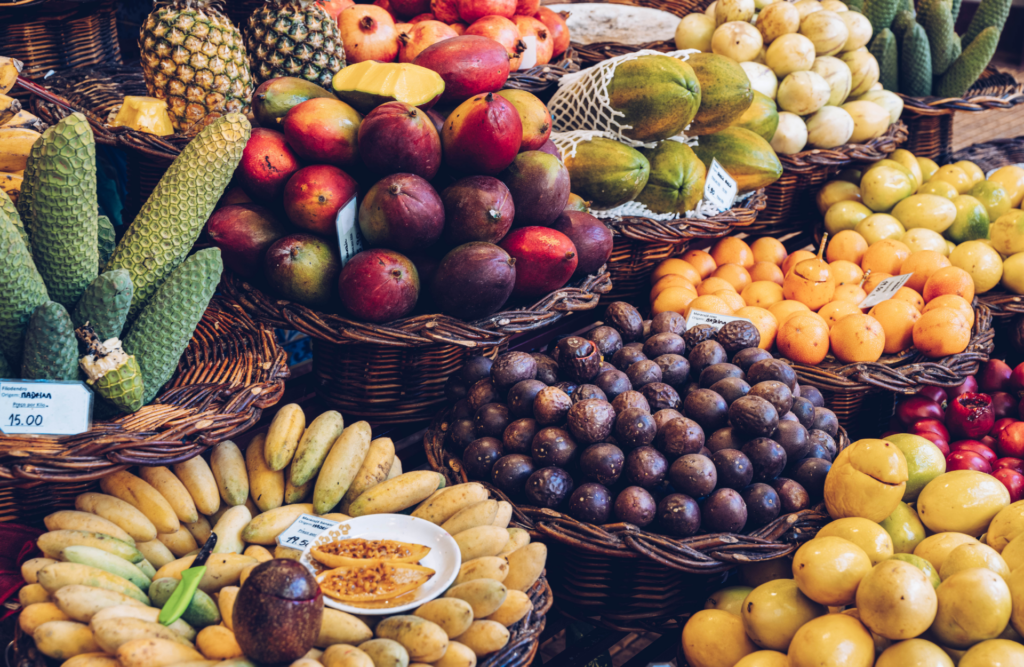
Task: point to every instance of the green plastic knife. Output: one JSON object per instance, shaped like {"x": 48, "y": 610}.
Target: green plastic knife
{"x": 186, "y": 590}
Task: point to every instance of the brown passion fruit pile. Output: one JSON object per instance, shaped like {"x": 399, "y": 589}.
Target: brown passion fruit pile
{"x": 647, "y": 423}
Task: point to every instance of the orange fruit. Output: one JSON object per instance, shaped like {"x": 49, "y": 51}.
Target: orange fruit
{"x": 709, "y": 303}
{"x": 941, "y": 332}
{"x": 712, "y": 285}
{"x": 783, "y": 309}
{"x": 910, "y": 296}
{"x": 897, "y": 319}
{"x": 762, "y": 293}
{"x": 700, "y": 260}
{"x": 671, "y": 280}
{"x": 955, "y": 302}
{"x": 730, "y": 296}
{"x": 949, "y": 280}
{"x": 847, "y": 245}
{"x": 803, "y": 338}
{"x": 766, "y": 271}
{"x": 674, "y": 265}
{"x": 857, "y": 338}
{"x": 886, "y": 256}
{"x": 845, "y": 272}
{"x": 765, "y": 322}
{"x": 837, "y": 310}
{"x": 767, "y": 249}
{"x": 674, "y": 299}
{"x": 796, "y": 258}
{"x": 732, "y": 250}
{"x": 873, "y": 279}
{"x": 852, "y": 293}
{"x": 734, "y": 274}
{"x": 922, "y": 264}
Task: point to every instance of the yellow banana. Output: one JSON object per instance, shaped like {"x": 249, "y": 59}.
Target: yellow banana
{"x": 8, "y": 108}
{"x": 11, "y": 184}
{"x": 9, "y": 71}
{"x": 15, "y": 146}
{"x": 25, "y": 121}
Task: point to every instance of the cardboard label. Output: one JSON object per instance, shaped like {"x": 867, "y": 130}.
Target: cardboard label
{"x": 44, "y": 407}
{"x": 304, "y": 530}
{"x": 711, "y": 319}
{"x": 884, "y": 290}
{"x": 350, "y": 239}
{"x": 529, "y": 57}
{"x": 719, "y": 187}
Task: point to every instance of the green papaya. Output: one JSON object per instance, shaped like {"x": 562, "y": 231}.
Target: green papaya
{"x": 936, "y": 17}
{"x": 725, "y": 92}
{"x": 745, "y": 156}
{"x": 106, "y": 240}
{"x": 676, "y": 184}
{"x": 916, "y": 63}
{"x": 883, "y": 48}
{"x": 105, "y": 304}
{"x": 51, "y": 349}
{"x": 761, "y": 117}
{"x": 605, "y": 172}
{"x": 966, "y": 69}
{"x": 657, "y": 97}
{"x": 990, "y": 14}
{"x": 880, "y": 13}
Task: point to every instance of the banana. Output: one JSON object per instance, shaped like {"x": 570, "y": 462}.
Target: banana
{"x": 25, "y": 121}
{"x": 9, "y": 71}
{"x": 173, "y": 490}
{"x": 10, "y": 183}
{"x": 9, "y": 107}
{"x": 15, "y": 146}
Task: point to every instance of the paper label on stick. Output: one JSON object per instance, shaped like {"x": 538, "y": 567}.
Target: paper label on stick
{"x": 711, "y": 319}
{"x": 719, "y": 187}
{"x": 350, "y": 239}
{"x": 304, "y": 530}
{"x": 884, "y": 290}
{"x": 44, "y": 407}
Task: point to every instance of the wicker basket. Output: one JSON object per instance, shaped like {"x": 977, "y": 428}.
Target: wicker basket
{"x": 231, "y": 371}
{"x": 632, "y": 579}
{"x": 930, "y": 119}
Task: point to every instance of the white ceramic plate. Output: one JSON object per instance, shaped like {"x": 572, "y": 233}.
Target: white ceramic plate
{"x": 444, "y": 557}
{"x": 591, "y": 22}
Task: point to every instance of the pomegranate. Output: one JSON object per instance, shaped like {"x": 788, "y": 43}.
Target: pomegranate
{"x": 527, "y": 7}
{"x": 504, "y": 32}
{"x": 970, "y": 415}
{"x": 315, "y": 194}
{"x": 267, "y": 164}
{"x": 422, "y": 35}
{"x": 409, "y": 8}
{"x": 386, "y": 6}
{"x": 334, "y": 7}
{"x": 994, "y": 376}
{"x": 933, "y": 425}
{"x": 472, "y": 10}
{"x": 531, "y": 27}
{"x": 987, "y": 452}
{"x": 459, "y": 28}
{"x": 468, "y": 64}
{"x": 1011, "y": 440}
{"x": 379, "y": 285}
{"x": 545, "y": 259}
{"x": 445, "y": 10}
{"x": 964, "y": 459}
{"x": 368, "y": 32}
{"x": 398, "y": 137}
{"x": 555, "y": 21}
{"x": 534, "y": 115}
{"x": 422, "y": 17}
{"x": 401, "y": 211}
{"x": 482, "y": 135}
{"x": 1011, "y": 463}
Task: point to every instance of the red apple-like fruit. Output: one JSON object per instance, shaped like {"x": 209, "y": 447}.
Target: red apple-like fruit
{"x": 1013, "y": 480}
{"x": 555, "y": 21}
{"x": 474, "y": 280}
{"x": 1011, "y": 440}
{"x": 1004, "y": 404}
{"x": 964, "y": 459}
{"x": 302, "y": 268}
{"x": 970, "y": 415}
{"x": 545, "y": 259}
{"x": 477, "y": 208}
{"x": 534, "y": 115}
{"x": 999, "y": 425}
{"x": 592, "y": 238}
{"x": 324, "y": 131}
{"x": 1009, "y": 462}
{"x": 402, "y": 212}
{"x": 933, "y": 425}
{"x": 936, "y": 440}
{"x": 399, "y": 138}
{"x": 379, "y": 285}
{"x": 482, "y": 135}
{"x": 993, "y": 376}
{"x": 243, "y": 232}
{"x": 977, "y": 447}
{"x": 539, "y": 184}
{"x": 267, "y": 164}
{"x": 937, "y": 394}
{"x": 970, "y": 385}
{"x": 914, "y": 409}
{"x": 315, "y": 194}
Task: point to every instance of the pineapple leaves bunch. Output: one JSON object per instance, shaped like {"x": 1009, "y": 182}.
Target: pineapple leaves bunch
{"x": 294, "y": 38}
{"x": 194, "y": 58}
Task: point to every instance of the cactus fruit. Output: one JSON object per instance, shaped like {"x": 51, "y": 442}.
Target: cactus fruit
{"x": 114, "y": 375}
{"x": 51, "y": 351}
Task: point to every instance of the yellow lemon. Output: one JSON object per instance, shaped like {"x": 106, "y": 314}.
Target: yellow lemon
{"x": 1006, "y": 525}
{"x": 928, "y": 211}
{"x": 936, "y": 548}
{"x": 940, "y": 188}
{"x": 774, "y": 611}
{"x": 728, "y": 599}
{"x": 879, "y": 227}
{"x": 1011, "y": 178}
{"x": 962, "y": 501}
{"x": 971, "y": 556}
{"x": 994, "y": 197}
{"x": 921, "y": 564}
{"x": 867, "y": 479}
{"x": 867, "y": 535}
{"x": 925, "y": 239}
{"x": 914, "y": 653}
{"x": 994, "y": 653}
{"x": 955, "y": 176}
{"x": 845, "y": 214}
{"x": 896, "y": 600}
{"x": 928, "y": 168}
{"x": 972, "y": 170}
{"x": 715, "y": 638}
{"x": 980, "y": 260}
{"x": 834, "y": 192}
{"x": 974, "y": 605}
{"x": 905, "y": 529}
{"x": 1007, "y": 232}
{"x": 1013, "y": 273}
{"x": 829, "y": 569}
{"x": 835, "y": 640}
{"x": 764, "y": 659}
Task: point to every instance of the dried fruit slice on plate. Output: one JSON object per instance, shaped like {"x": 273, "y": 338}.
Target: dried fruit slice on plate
{"x": 373, "y": 580}
{"x": 358, "y": 551}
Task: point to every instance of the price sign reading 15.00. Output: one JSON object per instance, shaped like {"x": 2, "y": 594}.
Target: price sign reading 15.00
{"x": 44, "y": 408}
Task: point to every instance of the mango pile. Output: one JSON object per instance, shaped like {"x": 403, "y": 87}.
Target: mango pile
{"x": 108, "y": 566}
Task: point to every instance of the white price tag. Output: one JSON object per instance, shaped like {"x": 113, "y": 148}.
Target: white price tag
{"x": 350, "y": 239}
{"x": 884, "y": 290}
{"x": 529, "y": 57}
{"x": 44, "y": 408}
{"x": 711, "y": 319}
{"x": 719, "y": 187}
{"x": 304, "y": 530}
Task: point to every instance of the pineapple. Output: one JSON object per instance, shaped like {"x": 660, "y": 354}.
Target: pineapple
{"x": 194, "y": 58}
{"x": 294, "y": 38}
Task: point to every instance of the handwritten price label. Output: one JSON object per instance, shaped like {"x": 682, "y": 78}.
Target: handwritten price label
{"x": 44, "y": 408}
{"x": 306, "y": 528}
{"x": 884, "y": 290}
{"x": 719, "y": 187}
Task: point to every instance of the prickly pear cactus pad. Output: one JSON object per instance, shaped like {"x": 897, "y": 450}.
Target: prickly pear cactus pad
{"x": 51, "y": 350}
{"x": 22, "y": 290}
{"x": 170, "y": 222}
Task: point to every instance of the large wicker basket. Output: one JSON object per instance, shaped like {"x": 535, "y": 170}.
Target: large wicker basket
{"x": 231, "y": 371}
{"x": 628, "y": 578}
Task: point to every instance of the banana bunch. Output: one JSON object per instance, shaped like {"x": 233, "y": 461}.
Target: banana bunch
{"x": 19, "y": 129}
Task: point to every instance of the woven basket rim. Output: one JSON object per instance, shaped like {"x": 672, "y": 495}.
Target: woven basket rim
{"x": 698, "y": 554}
{"x": 830, "y": 158}
{"x": 1004, "y": 97}
{"x": 681, "y": 230}
{"x": 190, "y": 414}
